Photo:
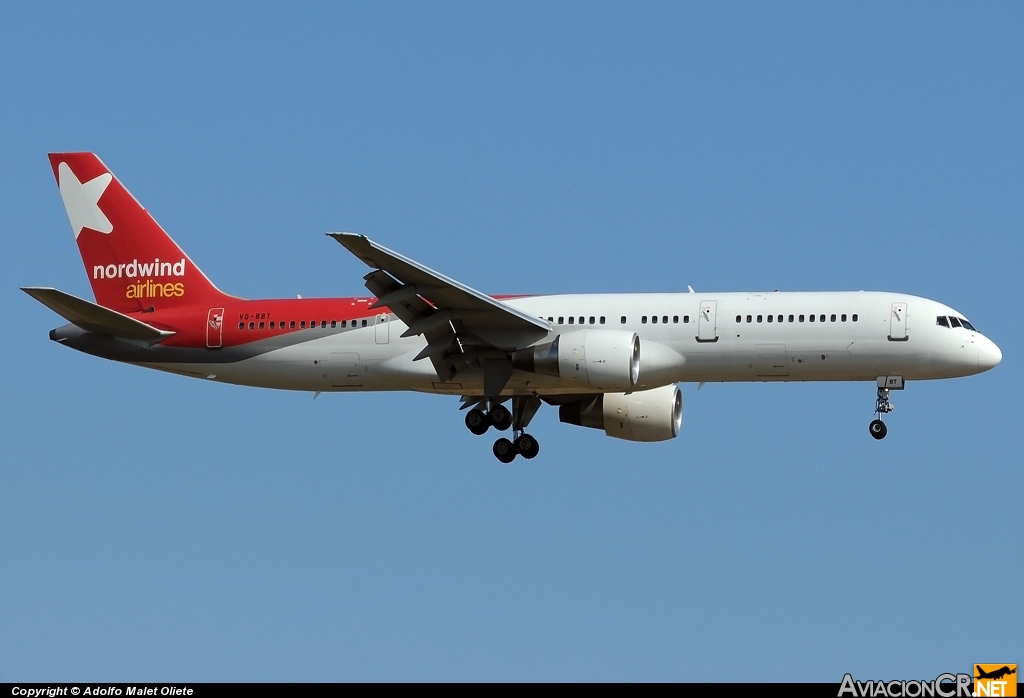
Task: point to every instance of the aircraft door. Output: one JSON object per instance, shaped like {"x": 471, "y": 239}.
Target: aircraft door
{"x": 707, "y": 328}
{"x": 898, "y": 328}
{"x": 382, "y": 328}
{"x": 770, "y": 360}
{"x": 215, "y": 328}
{"x": 345, "y": 370}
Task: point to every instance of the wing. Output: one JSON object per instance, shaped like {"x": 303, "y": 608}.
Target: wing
{"x": 461, "y": 325}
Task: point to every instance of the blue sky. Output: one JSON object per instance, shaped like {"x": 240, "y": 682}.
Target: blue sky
{"x": 159, "y": 528}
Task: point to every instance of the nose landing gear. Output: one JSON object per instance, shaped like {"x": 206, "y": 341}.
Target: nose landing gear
{"x": 877, "y": 428}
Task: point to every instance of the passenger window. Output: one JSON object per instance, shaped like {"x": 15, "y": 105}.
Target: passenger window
{"x": 334, "y": 323}
{"x": 262, "y": 325}
{"x": 252, "y": 325}
{"x": 571, "y": 319}
{"x": 954, "y": 322}
{"x": 811, "y": 318}
{"x": 291, "y": 324}
{"x": 739, "y": 319}
{"x": 686, "y": 319}
{"x": 759, "y": 318}
{"x": 791, "y": 318}
{"x": 855, "y": 317}
{"x": 833, "y": 317}
{"x": 780, "y": 318}
{"x": 241, "y": 325}
{"x": 770, "y": 318}
{"x": 664, "y": 319}
{"x": 941, "y": 320}
{"x": 364, "y": 323}
{"x": 622, "y": 320}
{"x": 561, "y": 320}
{"x": 750, "y": 318}
{"x": 675, "y": 319}
{"x": 602, "y": 319}
{"x": 303, "y": 324}
{"x": 323, "y": 324}
{"x": 581, "y": 319}
{"x": 822, "y": 318}
{"x": 843, "y": 317}
{"x": 551, "y": 319}
{"x": 801, "y": 318}
{"x": 654, "y": 319}
{"x": 643, "y": 320}
{"x": 591, "y": 319}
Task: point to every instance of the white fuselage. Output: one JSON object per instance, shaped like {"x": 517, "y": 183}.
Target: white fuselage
{"x": 685, "y": 337}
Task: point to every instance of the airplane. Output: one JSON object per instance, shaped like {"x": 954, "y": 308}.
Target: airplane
{"x": 606, "y": 361}
{"x": 996, "y": 674}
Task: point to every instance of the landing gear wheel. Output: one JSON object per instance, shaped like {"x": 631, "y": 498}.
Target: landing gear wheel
{"x": 477, "y": 422}
{"x": 527, "y": 446}
{"x": 501, "y": 418}
{"x": 877, "y": 429}
{"x": 505, "y": 450}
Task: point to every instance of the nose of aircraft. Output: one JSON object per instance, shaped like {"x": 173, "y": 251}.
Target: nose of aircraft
{"x": 988, "y": 354}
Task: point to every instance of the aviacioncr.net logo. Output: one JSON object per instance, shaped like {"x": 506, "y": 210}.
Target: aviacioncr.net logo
{"x": 943, "y": 686}
{"x": 995, "y": 680}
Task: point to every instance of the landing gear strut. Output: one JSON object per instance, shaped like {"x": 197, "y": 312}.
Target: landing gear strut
{"x": 882, "y": 406}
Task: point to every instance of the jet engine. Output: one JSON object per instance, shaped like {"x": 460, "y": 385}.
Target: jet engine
{"x": 648, "y": 415}
{"x": 598, "y": 359}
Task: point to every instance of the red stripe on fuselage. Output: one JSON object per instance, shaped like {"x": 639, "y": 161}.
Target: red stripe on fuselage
{"x": 189, "y": 324}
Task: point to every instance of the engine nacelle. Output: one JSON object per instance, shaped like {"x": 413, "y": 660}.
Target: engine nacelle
{"x": 598, "y": 359}
{"x": 649, "y": 415}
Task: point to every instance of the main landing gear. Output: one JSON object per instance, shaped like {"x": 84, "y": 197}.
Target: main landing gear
{"x": 877, "y": 428}
{"x": 479, "y": 421}
{"x": 499, "y": 417}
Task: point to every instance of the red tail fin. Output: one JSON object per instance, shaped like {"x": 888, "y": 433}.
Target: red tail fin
{"x": 132, "y": 263}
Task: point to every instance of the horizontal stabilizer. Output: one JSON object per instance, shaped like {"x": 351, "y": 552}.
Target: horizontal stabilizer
{"x": 95, "y": 318}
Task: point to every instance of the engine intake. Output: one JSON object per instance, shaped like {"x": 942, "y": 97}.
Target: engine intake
{"x": 599, "y": 359}
{"x": 649, "y": 415}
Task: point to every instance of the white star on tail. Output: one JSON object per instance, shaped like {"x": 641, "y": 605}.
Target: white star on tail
{"x": 82, "y": 200}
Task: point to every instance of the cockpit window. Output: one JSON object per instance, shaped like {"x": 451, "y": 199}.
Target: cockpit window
{"x": 953, "y": 322}
{"x": 967, "y": 325}
{"x": 941, "y": 320}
